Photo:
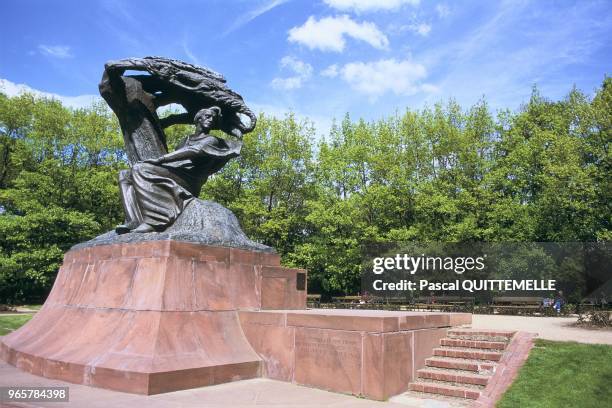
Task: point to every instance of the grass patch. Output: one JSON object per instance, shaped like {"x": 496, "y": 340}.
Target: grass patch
{"x": 563, "y": 374}
{"x": 10, "y": 323}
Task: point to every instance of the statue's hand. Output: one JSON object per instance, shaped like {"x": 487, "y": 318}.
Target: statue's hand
{"x": 123, "y": 64}
{"x": 153, "y": 161}
{"x": 237, "y": 133}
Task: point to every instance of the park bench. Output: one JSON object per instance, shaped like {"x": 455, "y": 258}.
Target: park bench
{"x": 346, "y": 302}
{"x": 313, "y": 300}
{"x": 387, "y": 303}
{"x": 346, "y": 299}
{"x": 517, "y": 304}
{"x": 592, "y": 304}
{"x": 368, "y": 302}
{"x": 446, "y": 303}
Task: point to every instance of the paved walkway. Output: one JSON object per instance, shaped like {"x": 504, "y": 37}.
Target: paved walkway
{"x": 550, "y": 328}
{"x": 18, "y": 312}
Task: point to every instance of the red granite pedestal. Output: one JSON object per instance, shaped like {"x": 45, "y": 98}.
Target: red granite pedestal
{"x": 159, "y": 316}
{"x": 152, "y": 317}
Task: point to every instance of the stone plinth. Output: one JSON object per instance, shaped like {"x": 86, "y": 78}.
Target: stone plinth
{"x": 152, "y": 317}
{"x": 156, "y": 316}
{"x": 374, "y": 354}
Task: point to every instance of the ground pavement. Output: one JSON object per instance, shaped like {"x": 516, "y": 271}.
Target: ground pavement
{"x": 549, "y": 328}
{"x": 260, "y": 393}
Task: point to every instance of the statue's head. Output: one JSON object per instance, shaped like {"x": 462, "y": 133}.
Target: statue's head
{"x": 207, "y": 119}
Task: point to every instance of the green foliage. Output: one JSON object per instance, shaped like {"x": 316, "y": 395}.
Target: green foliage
{"x": 58, "y": 188}
{"x": 441, "y": 173}
{"x": 268, "y": 185}
{"x": 32, "y": 247}
{"x": 595, "y": 318}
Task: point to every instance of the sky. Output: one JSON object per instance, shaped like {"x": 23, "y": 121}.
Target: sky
{"x": 319, "y": 58}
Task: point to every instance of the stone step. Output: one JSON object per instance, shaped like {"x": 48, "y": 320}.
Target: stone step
{"x": 478, "y": 338}
{"x": 480, "y": 335}
{"x": 472, "y": 349}
{"x": 479, "y": 344}
{"x": 441, "y": 382}
{"x": 456, "y": 377}
{"x": 478, "y": 366}
{"x": 442, "y": 389}
{"x": 472, "y": 354}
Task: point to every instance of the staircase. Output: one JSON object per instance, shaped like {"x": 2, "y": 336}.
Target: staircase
{"x": 463, "y": 364}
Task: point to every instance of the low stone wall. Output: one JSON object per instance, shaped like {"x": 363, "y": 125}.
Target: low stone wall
{"x": 374, "y": 354}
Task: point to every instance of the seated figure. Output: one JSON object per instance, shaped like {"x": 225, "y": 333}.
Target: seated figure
{"x": 155, "y": 191}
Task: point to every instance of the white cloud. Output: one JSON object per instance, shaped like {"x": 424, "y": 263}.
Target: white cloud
{"x": 56, "y": 51}
{"x": 194, "y": 59}
{"x": 421, "y": 29}
{"x": 287, "y": 84}
{"x": 430, "y": 88}
{"x": 388, "y": 75}
{"x": 331, "y": 71}
{"x": 12, "y": 89}
{"x": 250, "y": 15}
{"x": 328, "y": 34}
{"x": 369, "y": 5}
{"x": 443, "y": 10}
{"x": 299, "y": 67}
{"x": 302, "y": 72}
{"x": 481, "y": 56}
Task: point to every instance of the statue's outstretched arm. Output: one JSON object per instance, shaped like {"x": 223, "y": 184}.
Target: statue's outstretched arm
{"x": 177, "y": 155}
{"x": 118, "y": 67}
{"x": 175, "y": 119}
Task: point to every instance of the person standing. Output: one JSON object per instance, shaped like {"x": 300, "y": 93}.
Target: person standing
{"x": 559, "y": 301}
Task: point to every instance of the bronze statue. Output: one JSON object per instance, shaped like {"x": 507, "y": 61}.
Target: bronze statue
{"x": 159, "y": 186}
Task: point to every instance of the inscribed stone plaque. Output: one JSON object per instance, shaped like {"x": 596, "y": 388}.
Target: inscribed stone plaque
{"x": 329, "y": 359}
{"x": 300, "y": 281}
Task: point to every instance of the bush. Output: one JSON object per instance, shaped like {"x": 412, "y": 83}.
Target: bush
{"x": 595, "y": 318}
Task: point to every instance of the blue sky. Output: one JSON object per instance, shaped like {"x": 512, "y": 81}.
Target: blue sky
{"x": 319, "y": 58}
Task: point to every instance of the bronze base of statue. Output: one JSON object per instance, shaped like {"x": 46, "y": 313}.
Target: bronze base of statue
{"x": 202, "y": 222}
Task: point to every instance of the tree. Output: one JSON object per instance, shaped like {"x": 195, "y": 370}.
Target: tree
{"x": 59, "y": 188}
{"x": 442, "y": 173}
